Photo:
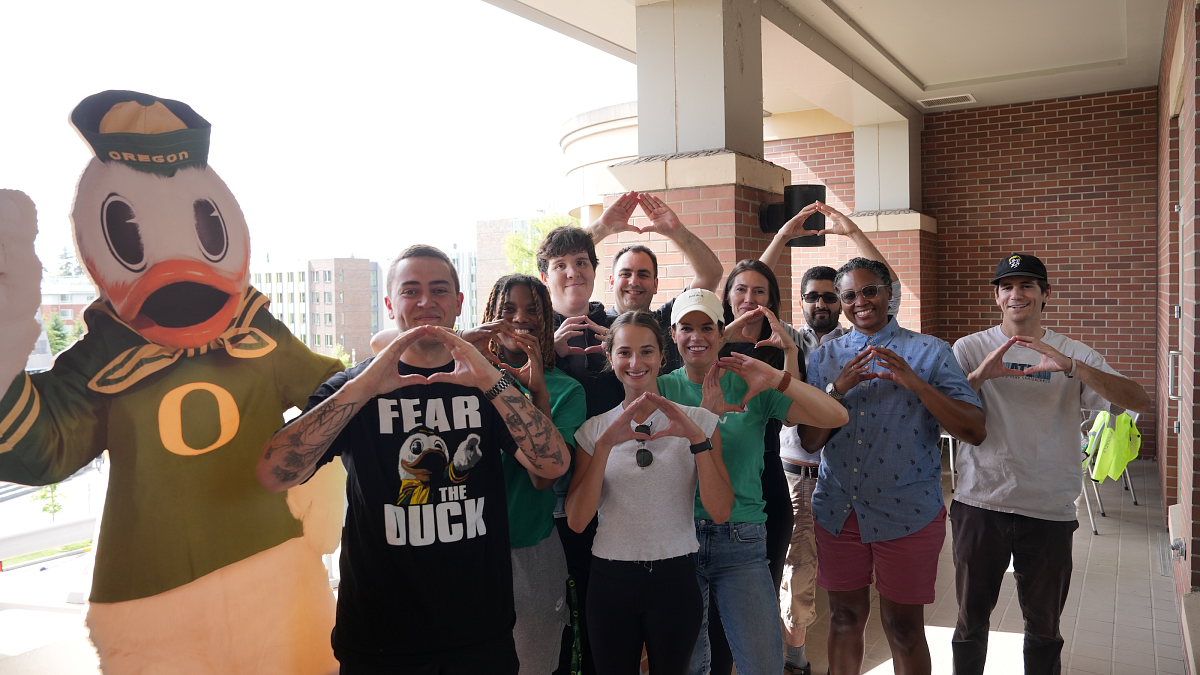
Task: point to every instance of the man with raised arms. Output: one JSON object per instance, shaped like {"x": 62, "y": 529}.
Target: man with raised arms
{"x": 426, "y": 572}
{"x": 1017, "y": 489}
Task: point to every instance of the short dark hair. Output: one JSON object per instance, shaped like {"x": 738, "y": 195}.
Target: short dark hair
{"x": 1042, "y": 284}
{"x": 818, "y": 273}
{"x": 639, "y": 318}
{"x": 873, "y": 266}
{"x": 541, "y": 304}
{"x": 421, "y": 251}
{"x": 637, "y": 248}
{"x": 565, "y": 240}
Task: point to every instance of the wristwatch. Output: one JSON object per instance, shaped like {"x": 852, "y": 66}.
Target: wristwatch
{"x": 501, "y": 384}
{"x": 832, "y": 391}
{"x": 702, "y": 446}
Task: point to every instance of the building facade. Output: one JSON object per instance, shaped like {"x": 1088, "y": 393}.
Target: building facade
{"x": 325, "y": 303}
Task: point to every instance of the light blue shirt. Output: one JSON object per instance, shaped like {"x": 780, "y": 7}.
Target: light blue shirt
{"x": 885, "y": 464}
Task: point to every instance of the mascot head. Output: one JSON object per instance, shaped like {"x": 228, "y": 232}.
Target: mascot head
{"x": 159, "y": 232}
{"x": 423, "y": 456}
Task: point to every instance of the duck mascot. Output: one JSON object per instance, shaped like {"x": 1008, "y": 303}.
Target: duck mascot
{"x": 182, "y": 377}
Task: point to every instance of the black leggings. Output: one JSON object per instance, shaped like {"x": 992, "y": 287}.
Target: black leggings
{"x": 634, "y": 603}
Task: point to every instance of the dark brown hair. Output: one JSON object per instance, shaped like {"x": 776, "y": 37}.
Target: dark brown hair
{"x": 541, "y": 304}
{"x": 638, "y": 318}
{"x": 565, "y": 240}
{"x": 637, "y": 248}
{"x": 769, "y": 355}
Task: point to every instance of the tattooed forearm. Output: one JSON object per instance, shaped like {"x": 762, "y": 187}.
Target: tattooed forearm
{"x": 294, "y": 450}
{"x": 532, "y": 431}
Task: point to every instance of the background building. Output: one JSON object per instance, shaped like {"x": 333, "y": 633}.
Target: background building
{"x": 66, "y": 297}
{"x": 325, "y": 303}
{"x": 467, "y": 265}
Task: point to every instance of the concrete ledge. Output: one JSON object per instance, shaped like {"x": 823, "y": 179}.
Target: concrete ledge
{"x": 702, "y": 169}
{"x": 1190, "y": 616}
{"x": 893, "y": 221}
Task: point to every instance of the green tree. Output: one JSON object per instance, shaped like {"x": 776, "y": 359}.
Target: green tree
{"x": 56, "y": 333}
{"x": 77, "y": 332}
{"x": 50, "y": 498}
{"x": 68, "y": 265}
{"x": 339, "y": 352}
{"x": 521, "y": 247}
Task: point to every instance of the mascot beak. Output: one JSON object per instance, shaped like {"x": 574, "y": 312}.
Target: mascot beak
{"x": 179, "y": 303}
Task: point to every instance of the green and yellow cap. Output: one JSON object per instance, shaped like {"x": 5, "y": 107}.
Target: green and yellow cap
{"x": 144, "y": 132}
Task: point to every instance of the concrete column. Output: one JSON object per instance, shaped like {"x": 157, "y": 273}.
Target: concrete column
{"x": 887, "y": 166}
{"x": 699, "y": 77}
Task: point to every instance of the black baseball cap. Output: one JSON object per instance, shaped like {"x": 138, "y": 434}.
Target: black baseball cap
{"x": 1020, "y": 265}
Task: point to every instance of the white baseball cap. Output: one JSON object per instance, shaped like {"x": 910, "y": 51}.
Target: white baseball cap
{"x": 698, "y": 300}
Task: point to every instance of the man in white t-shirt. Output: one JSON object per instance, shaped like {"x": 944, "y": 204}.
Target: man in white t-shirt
{"x": 1017, "y": 490}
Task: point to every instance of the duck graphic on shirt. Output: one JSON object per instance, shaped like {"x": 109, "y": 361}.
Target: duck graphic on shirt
{"x": 425, "y": 461}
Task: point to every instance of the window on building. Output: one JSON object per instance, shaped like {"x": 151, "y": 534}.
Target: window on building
{"x": 328, "y": 298}
{"x": 66, "y": 313}
{"x": 316, "y": 340}
{"x": 341, "y": 275}
{"x": 66, "y": 297}
{"x": 89, "y": 298}
{"x": 341, "y": 296}
{"x": 316, "y": 319}
{"x": 279, "y": 277}
{"x": 291, "y": 317}
{"x": 342, "y": 339}
{"x": 302, "y": 297}
{"x": 291, "y": 276}
{"x": 280, "y": 296}
{"x": 302, "y": 318}
{"x": 258, "y": 278}
{"x": 374, "y": 298}
{"x": 374, "y": 278}
{"x": 328, "y": 276}
{"x": 343, "y": 317}
{"x": 328, "y": 319}
{"x": 291, "y": 297}
{"x": 329, "y": 340}
{"x": 374, "y": 322}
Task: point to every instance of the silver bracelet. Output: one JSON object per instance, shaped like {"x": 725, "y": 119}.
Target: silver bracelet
{"x": 1074, "y": 366}
{"x": 505, "y": 380}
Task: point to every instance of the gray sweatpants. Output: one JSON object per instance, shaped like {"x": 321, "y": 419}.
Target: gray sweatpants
{"x": 540, "y": 597}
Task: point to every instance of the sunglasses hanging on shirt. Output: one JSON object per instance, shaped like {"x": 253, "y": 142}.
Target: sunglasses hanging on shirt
{"x": 643, "y": 456}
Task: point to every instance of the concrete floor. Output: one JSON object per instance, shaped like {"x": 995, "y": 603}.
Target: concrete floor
{"x": 1117, "y": 574}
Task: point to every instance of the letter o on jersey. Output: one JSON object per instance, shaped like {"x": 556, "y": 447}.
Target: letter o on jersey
{"x": 170, "y": 418}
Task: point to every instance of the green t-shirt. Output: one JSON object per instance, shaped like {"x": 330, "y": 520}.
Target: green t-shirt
{"x": 742, "y": 434}
{"x": 530, "y": 510}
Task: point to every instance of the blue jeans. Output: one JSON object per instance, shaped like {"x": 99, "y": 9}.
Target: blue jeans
{"x": 731, "y": 566}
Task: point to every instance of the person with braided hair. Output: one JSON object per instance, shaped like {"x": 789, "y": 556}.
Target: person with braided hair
{"x": 519, "y": 331}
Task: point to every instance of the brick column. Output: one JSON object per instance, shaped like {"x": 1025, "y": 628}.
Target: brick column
{"x": 716, "y": 194}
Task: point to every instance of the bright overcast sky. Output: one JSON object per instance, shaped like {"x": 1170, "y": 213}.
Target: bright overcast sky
{"x": 354, "y": 128}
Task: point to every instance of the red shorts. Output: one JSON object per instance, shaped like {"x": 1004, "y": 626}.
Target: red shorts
{"x": 906, "y": 567}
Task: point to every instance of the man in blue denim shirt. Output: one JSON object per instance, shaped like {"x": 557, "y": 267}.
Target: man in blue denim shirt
{"x": 878, "y": 503}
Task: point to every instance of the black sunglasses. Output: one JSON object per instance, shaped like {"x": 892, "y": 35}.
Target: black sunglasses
{"x": 869, "y": 291}
{"x": 829, "y": 298}
{"x": 643, "y": 456}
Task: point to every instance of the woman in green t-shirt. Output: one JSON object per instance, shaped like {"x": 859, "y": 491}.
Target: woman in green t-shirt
{"x": 519, "y": 331}
{"x": 745, "y": 393}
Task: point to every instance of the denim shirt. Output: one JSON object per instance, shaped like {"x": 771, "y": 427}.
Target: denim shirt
{"x": 885, "y": 464}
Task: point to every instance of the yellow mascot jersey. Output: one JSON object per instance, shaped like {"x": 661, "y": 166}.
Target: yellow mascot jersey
{"x": 184, "y": 429}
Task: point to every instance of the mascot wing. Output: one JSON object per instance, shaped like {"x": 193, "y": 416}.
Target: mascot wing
{"x": 20, "y": 283}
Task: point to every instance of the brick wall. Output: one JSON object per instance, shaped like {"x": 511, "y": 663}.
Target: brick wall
{"x": 1188, "y": 331}
{"x": 1070, "y": 180}
{"x": 818, "y": 160}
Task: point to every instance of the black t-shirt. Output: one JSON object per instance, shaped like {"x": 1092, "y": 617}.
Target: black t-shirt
{"x": 600, "y": 385}
{"x": 425, "y": 566}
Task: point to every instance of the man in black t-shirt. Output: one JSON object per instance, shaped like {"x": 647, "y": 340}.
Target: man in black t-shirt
{"x": 426, "y": 571}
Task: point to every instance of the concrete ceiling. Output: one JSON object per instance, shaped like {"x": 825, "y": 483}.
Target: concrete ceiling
{"x": 871, "y": 61}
